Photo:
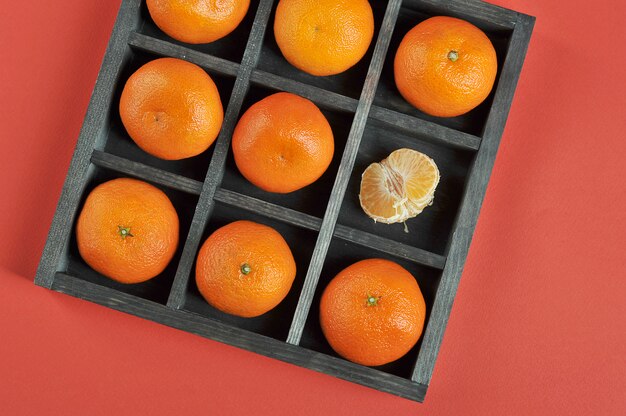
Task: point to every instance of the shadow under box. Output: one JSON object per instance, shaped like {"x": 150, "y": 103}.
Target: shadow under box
{"x": 431, "y": 229}
{"x": 348, "y": 83}
{"x": 156, "y": 289}
{"x": 277, "y": 321}
{"x": 342, "y": 254}
{"x": 388, "y": 96}
{"x": 230, "y": 47}
{"x": 311, "y": 199}
{"x": 119, "y": 143}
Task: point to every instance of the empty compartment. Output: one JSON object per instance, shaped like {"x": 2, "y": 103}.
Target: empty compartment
{"x": 276, "y": 322}
{"x": 156, "y": 289}
{"x": 348, "y": 83}
{"x": 311, "y": 199}
{"x": 342, "y": 254}
{"x": 431, "y": 229}
{"x": 230, "y": 47}
{"x": 119, "y": 143}
{"x": 387, "y": 94}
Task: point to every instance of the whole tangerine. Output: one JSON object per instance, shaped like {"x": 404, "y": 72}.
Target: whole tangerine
{"x": 127, "y": 230}
{"x": 197, "y": 21}
{"x": 372, "y": 312}
{"x": 171, "y": 109}
{"x": 245, "y": 269}
{"x": 445, "y": 66}
{"x": 283, "y": 143}
{"x": 323, "y": 37}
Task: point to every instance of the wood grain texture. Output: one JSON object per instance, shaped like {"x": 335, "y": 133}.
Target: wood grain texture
{"x": 345, "y": 171}
{"x": 435, "y": 133}
{"x": 215, "y": 330}
{"x": 389, "y": 246}
{"x": 257, "y": 34}
{"x": 469, "y": 9}
{"x": 92, "y": 128}
{"x": 215, "y": 172}
{"x": 268, "y": 209}
{"x": 472, "y": 201}
{"x": 206, "y": 201}
{"x": 321, "y": 96}
{"x": 147, "y": 173}
{"x": 164, "y": 48}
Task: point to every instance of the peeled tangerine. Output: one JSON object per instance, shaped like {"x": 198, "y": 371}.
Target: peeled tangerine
{"x": 399, "y": 187}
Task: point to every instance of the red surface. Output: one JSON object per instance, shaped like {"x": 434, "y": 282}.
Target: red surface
{"x": 538, "y": 327}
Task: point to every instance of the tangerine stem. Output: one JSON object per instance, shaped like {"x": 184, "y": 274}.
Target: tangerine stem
{"x": 453, "y": 56}
{"x": 124, "y": 231}
{"x": 245, "y": 268}
{"x": 372, "y": 300}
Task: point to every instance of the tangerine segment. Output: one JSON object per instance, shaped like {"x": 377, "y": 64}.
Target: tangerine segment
{"x": 171, "y": 109}
{"x": 283, "y": 143}
{"x": 372, "y": 312}
{"x": 399, "y": 187}
{"x": 127, "y": 230}
{"x": 445, "y": 66}
{"x": 197, "y": 21}
{"x": 245, "y": 269}
{"x": 323, "y": 37}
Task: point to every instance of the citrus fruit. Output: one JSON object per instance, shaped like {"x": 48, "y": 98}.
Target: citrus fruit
{"x": 197, "y": 21}
{"x": 323, "y": 37}
{"x": 283, "y": 143}
{"x": 127, "y": 230}
{"x": 399, "y": 187}
{"x": 171, "y": 109}
{"x": 372, "y": 312}
{"x": 445, "y": 66}
{"x": 245, "y": 269}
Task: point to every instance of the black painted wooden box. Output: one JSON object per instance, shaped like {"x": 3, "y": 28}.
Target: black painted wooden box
{"x": 323, "y": 223}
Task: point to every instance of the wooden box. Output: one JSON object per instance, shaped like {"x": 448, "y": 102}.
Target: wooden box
{"x": 323, "y": 223}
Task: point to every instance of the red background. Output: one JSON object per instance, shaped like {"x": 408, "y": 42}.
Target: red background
{"x": 538, "y": 326}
